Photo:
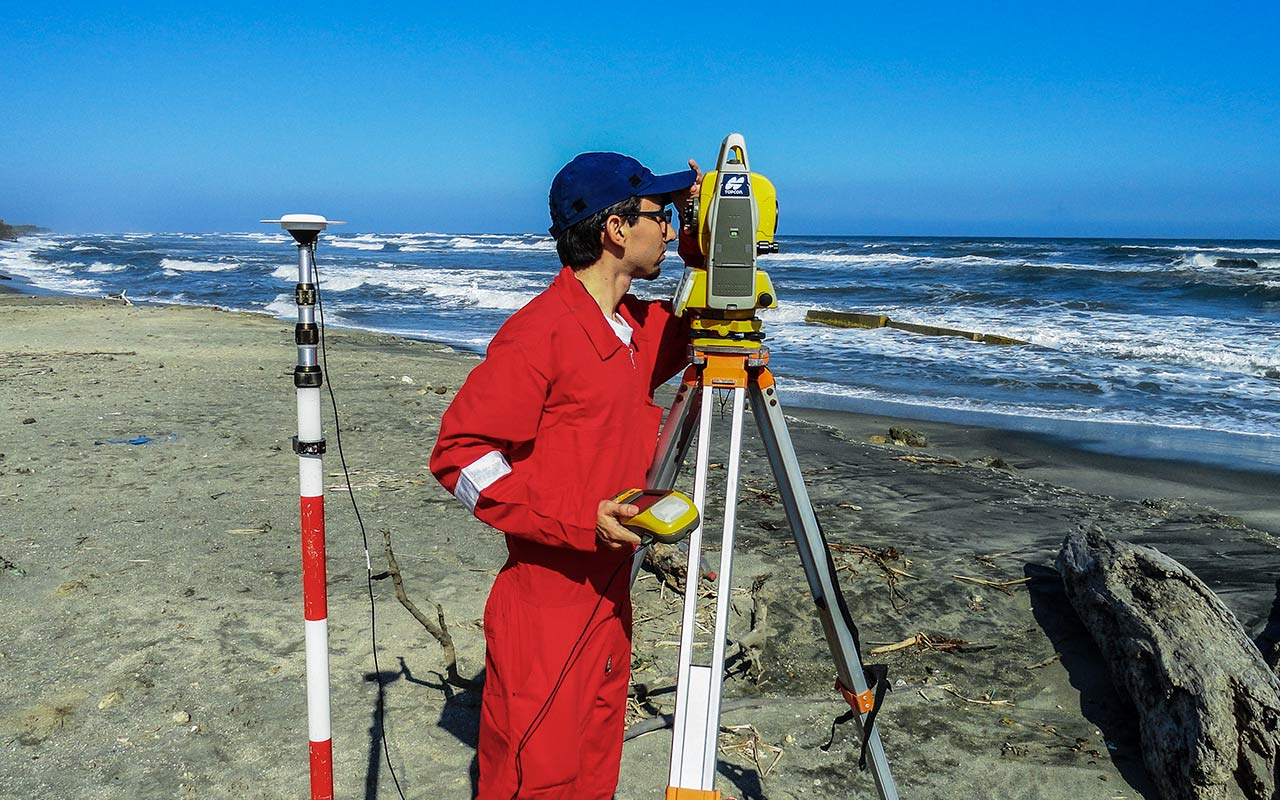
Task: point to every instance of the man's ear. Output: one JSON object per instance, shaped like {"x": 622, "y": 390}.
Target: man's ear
{"x": 615, "y": 231}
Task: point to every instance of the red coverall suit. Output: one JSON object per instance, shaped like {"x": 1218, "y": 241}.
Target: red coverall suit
{"x": 559, "y": 416}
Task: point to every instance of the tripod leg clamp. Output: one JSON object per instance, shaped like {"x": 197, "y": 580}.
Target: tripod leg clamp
{"x": 862, "y": 703}
{"x": 868, "y": 703}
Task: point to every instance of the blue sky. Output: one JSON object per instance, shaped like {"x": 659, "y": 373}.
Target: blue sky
{"x": 1117, "y": 119}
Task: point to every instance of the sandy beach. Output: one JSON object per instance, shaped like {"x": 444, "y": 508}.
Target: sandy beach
{"x": 151, "y": 643}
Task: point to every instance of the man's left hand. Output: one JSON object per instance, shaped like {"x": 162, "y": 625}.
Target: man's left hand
{"x": 684, "y": 202}
{"x": 609, "y": 529}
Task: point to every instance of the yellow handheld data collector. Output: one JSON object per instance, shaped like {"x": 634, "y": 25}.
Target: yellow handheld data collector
{"x": 665, "y": 516}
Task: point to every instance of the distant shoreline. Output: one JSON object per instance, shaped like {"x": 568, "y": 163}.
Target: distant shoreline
{"x": 11, "y": 233}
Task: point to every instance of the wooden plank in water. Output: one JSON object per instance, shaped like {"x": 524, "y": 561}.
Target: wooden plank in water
{"x": 842, "y": 319}
{"x": 845, "y": 319}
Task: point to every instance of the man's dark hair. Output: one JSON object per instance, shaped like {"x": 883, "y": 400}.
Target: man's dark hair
{"x": 581, "y": 245}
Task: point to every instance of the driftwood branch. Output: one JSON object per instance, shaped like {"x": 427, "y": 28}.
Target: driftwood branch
{"x": 1208, "y": 705}
{"x": 748, "y": 649}
{"x": 670, "y": 562}
{"x": 438, "y": 629}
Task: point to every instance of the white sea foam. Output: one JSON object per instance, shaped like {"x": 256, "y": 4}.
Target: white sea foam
{"x": 459, "y": 288}
{"x": 73, "y": 285}
{"x": 875, "y": 260}
{"x": 340, "y": 283}
{"x": 1224, "y": 252}
{"x": 499, "y": 242}
{"x": 271, "y": 238}
{"x": 418, "y": 238}
{"x": 284, "y": 306}
{"x": 175, "y": 265}
{"x": 259, "y": 237}
{"x": 350, "y": 244}
{"x": 337, "y": 280}
{"x": 18, "y": 259}
{"x": 99, "y": 266}
{"x": 1118, "y": 268}
{"x": 870, "y": 259}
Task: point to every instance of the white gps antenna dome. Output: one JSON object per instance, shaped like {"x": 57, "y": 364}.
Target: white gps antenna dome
{"x": 304, "y": 227}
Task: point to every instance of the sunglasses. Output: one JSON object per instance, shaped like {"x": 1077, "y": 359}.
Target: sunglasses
{"x": 663, "y": 216}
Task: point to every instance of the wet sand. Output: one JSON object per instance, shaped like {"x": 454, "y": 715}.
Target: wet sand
{"x": 151, "y": 641}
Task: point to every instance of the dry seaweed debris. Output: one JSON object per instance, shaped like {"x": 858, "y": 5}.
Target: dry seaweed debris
{"x": 1003, "y": 586}
{"x": 925, "y": 642}
{"x": 933, "y": 460}
{"x": 884, "y": 559}
{"x": 950, "y": 688}
{"x": 747, "y": 742}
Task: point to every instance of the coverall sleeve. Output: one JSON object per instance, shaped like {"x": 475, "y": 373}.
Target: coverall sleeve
{"x": 491, "y": 423}
{"x": 688, "y": 248}
{"x": 673, "y": 345}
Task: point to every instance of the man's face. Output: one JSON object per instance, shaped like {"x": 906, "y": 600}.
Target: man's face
{"x": 649, "y": 237}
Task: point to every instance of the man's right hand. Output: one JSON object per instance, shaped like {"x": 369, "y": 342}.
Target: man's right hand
{"x": 609, "y": 529}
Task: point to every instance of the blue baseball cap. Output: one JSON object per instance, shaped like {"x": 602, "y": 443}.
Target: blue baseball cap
{"x": 592, "y": 182}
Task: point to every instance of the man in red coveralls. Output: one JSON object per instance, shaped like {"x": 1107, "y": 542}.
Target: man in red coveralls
{"x": 558, "y": 419}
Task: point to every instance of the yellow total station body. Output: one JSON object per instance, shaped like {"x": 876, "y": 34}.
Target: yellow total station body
{"x": 765, "y": 196}
{"x": 737, "y": 219}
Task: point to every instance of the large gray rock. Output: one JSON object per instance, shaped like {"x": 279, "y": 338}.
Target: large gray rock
{"x": 1208, "y": 705}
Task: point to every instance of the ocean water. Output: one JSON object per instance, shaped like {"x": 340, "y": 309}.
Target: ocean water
{"x": 1167, "y": 349}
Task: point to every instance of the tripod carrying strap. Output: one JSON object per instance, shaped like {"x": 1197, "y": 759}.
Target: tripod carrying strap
{"x": 876, "y": 675}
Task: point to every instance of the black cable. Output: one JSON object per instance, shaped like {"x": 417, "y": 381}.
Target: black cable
{"x": 564, "y": 671}
{"x": 373, "y": 618}
{"x": 373, "y": 635}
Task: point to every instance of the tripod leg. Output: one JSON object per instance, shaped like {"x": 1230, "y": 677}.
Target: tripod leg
{"x": 673, "y": 444}
{"x": 815, "y": 556}
{"x": 696, "y": 725}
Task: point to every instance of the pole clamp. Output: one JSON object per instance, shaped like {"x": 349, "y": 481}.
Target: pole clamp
{"x": 304, "y": 294}
{"x": 307, "y": 377}
{"x": 308, "y": 448}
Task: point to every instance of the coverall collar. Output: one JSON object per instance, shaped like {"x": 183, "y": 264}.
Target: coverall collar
{"x": 587, "y": 312}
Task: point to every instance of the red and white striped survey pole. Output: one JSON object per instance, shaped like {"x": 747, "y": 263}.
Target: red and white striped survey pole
{"x": 309, "y": 444}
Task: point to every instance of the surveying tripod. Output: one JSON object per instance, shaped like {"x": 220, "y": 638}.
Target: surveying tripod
{"x": 744, "y": 371}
